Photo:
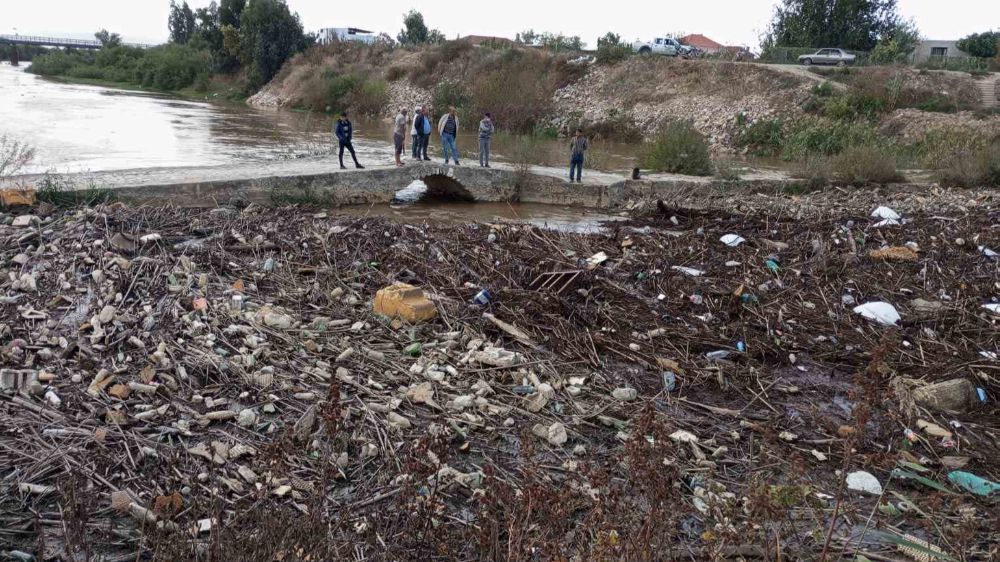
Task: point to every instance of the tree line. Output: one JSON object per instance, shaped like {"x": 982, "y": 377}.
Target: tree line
{"x": 227, "y": 37}
{"x": 874, "y": 26}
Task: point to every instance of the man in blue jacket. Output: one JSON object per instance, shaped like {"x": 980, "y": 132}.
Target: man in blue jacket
{"x": 344, "y": 131}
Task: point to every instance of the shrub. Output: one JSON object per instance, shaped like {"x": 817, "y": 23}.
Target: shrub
{"x": 611, "y": 49}
{"x": 365, "y": 95}
{"x": 395, "y": 73}
{"x": 678, "y": 148}
{"x": 815, "y": 171}
{"x": 825, "y": 137}
{"x": 511, "y": 89}
{"x": 823, "y": 90}
{"x": 764, "y": 137}
{"x": 974, "y": 168}
{"x": 864, "y": 164}
{"x": 451, "y": 94}
{"x": 616, "y": 125}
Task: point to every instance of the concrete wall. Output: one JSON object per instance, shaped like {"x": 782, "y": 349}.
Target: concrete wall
{"x": 925, "y": 48}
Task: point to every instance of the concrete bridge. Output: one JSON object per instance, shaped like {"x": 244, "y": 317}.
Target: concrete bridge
{"x": 320, "y": 181}
{"x": 59, "y": 42}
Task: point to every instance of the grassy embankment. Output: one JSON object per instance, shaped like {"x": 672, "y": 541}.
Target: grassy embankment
{"x": 842, "y": 136}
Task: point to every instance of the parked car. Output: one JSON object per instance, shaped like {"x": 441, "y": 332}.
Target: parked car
{"x": 838, "y": 57}
{"x": 662, "y": 46}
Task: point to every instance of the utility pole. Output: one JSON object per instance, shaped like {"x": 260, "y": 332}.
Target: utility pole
{"x": 14, "y": 59}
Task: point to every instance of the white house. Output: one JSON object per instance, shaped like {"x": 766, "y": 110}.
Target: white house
{"x": 330, "y": 34}
{"x": 928, "y": 50}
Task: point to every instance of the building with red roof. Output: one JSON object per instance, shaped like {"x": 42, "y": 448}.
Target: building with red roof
{"x": 702, "y": 43}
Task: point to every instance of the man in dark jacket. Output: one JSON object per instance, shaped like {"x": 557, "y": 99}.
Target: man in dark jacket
{"x": 344, "y": 132}
{"x": 423, "y": 128}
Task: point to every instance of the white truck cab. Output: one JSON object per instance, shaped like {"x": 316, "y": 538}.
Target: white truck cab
{"x": 661, "y": 46}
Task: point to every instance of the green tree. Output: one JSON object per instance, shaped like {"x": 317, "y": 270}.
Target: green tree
{"x": 415, "y": 31}
{"x": 230, "y": 11}
{"x": 984, "y": 45}
{"x": 897, "y": 48}
{"x": 528, "y": 37}
{"x": 181, "y": 22}
{"x": 611, "y": 48}
{"x": 559, "y": 42}
{"x": 848, "y": 24}
{"x": 108, "y": 39}
{"x": 269, "y": 35}
{"x": 208, "y": 28}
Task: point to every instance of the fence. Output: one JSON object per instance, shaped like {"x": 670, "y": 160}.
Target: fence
{"x": 961, "y": 64}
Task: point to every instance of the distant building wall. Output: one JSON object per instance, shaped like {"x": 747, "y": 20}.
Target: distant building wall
{"x": 927, "y": 50}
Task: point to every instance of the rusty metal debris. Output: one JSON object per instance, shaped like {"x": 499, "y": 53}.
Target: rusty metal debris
{"x": 555, "y": 281}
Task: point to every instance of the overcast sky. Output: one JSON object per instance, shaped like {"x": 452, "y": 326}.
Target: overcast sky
{"x": 737, "y": 22}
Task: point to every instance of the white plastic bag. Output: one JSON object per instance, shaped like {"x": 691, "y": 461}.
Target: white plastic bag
{"x": 883, "y": 212}
{"x": 732, "y": 240}
{"x": 881, "y": 312}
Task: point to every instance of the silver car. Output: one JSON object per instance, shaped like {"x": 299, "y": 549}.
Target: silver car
{"x": 837, "y": 57}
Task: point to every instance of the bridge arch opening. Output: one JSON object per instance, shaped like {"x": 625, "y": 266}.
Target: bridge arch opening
{"x": 434, "y": 187}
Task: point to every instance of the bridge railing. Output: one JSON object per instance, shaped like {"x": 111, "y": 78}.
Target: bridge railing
{"x": 60, "y": 42}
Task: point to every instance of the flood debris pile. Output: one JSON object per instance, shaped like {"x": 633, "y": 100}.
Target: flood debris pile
{"x": 217, "y": 385}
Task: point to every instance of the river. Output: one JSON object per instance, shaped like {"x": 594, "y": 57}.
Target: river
{"x": 81, "y": 128}
{"x": 78, "y": 128}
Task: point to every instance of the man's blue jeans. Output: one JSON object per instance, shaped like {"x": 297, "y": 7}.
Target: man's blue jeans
{"x": 576, "y": 165}
{"x": 450, "y": 149}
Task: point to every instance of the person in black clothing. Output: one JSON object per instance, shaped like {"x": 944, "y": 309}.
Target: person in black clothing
{"x": 423, "y": 128}
{"x": 344, "y": 131}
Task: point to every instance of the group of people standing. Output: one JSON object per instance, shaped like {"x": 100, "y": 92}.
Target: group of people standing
{"x": 448, "y": 126}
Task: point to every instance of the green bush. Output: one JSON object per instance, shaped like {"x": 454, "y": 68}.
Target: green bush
{"x": 168, "y": 67}
{"x": 450, "y": 94}
{"x": 611, "y": 49}
{"x": 764, "y": 137}
{"x": 359, "y": 93}
{"x": 825, "y": 137}
{"x": 678, "y": 149}
{"x": 865, "y": 164}
{"x": 823, "y": 90}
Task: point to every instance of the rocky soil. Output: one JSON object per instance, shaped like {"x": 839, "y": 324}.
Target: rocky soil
{"x": 214, "y": 385}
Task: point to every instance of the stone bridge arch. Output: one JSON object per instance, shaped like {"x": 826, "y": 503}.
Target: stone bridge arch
{"x": 445, "y": 187}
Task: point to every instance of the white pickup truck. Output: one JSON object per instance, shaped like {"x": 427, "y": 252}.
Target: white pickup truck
{"x": 662, "y": 46}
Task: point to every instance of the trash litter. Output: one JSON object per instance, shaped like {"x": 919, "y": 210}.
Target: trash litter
{"x": 862, "y": 481}
{"x": 596, "y": 260}
{"x": 18, "y": 197}
{"x": 625, "y": 394}
{"x": 883, "y": 212}
{"x": 881, "y": 312}
{"x": 953, "y": 395}
{"x": 988, "y": 252}
{"x": 669, "y": 381}
{"x": 732, "y": 240}
{"x": 894, "y": 253}
{"x": 405, "y": 302}
{"x": 992, "y": 307}
{"x": 973, "y": 483}
{"x": 483, "y": 298}
{"x": 259, "y": 405}
{"x": 688, "y": 270}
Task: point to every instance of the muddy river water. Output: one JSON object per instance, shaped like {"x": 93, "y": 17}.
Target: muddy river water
{"x": 80, "y": 128}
